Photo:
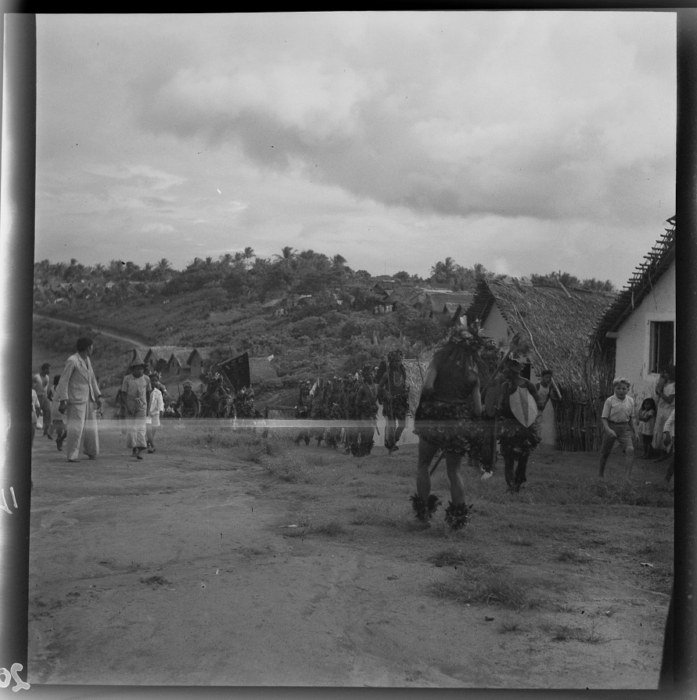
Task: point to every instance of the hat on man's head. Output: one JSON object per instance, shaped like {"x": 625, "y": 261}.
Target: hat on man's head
{"x": 136, "y": 360}
{"x": 515, "y": 358}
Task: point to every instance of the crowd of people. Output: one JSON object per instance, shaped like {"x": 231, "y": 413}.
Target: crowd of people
{"x": 464, "y": 408}
{"x": 345, "y": 409}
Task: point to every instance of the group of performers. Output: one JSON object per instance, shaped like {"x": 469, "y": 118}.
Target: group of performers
{"x": 471, "y": 401}
{"x": 457, "y": 416}
{"x": 346, "y": 408}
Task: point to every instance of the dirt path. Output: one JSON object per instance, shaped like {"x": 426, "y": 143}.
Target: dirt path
{"x": 246, "y": 565}
{"x": 103, "y": 330}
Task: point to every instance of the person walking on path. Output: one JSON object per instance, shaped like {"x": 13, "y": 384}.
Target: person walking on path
{"x": 41, "y": 383}
{"x": 79, "y": 399}
{"x": 618, "y": 425}
{"x": 135, "y": 390}
{"x": 155, "y": 411}
{"x": 449, "y": 418}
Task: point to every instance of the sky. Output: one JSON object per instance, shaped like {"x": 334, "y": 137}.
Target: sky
{"x": 526, "y": 141}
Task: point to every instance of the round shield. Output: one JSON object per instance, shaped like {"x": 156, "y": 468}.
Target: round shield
{"x": 523, "y": 406}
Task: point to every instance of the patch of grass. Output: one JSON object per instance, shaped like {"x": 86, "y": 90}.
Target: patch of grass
{"x": 379, "y": 515}
{"x": 447, "y": 557}
{"x": 502, "y": 591}
{"x": 574, "y": 556}
{"x": 288, "y": 474}
{"x": 521, "y": 541}
{"x": 508, "y": 626}
{"x": 493, "y": 589}
{"x": 567, "y": 633}
{"x": 330, "y": 529}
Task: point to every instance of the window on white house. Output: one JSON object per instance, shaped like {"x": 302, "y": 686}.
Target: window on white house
{"x": 661, "y": 345}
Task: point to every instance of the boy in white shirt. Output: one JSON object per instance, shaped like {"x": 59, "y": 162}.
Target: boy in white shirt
{"x": 618, "y": 425}
{"x": 155, "y": 410}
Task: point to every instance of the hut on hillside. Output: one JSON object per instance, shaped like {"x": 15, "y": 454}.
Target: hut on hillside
{"x": 178, "y": 364}
{"x": 557, "y": 323}
{"x": 635, "y": 337}
{"x": 439, "y": 301}
{"x": 197, "y": 359}
{"x": 158, "y": 356}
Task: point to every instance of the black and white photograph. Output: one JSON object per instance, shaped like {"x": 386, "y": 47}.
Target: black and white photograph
{"x": 353, "y": 350}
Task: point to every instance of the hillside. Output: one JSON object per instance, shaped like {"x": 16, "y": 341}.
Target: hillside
{"x": 313, "y": 314}
{"x": 319, "y": 336}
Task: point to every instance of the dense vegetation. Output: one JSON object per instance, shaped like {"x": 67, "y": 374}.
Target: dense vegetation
{"x": 232, "y": 305}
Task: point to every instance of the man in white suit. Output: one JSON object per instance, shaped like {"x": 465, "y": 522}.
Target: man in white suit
{"x": 80, "y": 399}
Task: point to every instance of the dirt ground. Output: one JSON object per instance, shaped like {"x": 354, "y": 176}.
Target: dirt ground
{"x": 229, "y": 559}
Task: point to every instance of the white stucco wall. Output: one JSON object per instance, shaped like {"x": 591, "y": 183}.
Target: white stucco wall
{"x": 496, "y": 328}
{"x": 633, "y": 340}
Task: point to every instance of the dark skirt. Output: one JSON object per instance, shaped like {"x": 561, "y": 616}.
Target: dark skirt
{"x": 516, "y": 438}
{"x": 453, "y": 428}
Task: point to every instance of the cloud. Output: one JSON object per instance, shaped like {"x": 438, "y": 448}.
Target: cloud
{"x": 490, "y": 142}
{"x": 157, "y": 227}
{"x": 391, "y": 138}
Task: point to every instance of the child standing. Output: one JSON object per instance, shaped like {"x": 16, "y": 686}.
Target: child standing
{"x": 647, "y": 423}
{"x": 617, "y": 418}
{"x": 59, "y": 426}
{"x": 155, "y": 410}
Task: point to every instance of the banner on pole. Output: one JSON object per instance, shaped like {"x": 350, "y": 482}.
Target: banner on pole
{"x": 236, "y": 371}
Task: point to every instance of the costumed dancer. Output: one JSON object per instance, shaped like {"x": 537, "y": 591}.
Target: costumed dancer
{"x": 333, "y": 433}
{"x": 348, "y": 408}
{"x": 518, "y": 427}
{"x": 449, "y": 418}
{"x": 302, "y": 411}
{"x": 366, "y": 412}
{"x": 393, "y": 394}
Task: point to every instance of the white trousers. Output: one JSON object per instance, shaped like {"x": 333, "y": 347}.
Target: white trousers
{"x": 82, "y": 430}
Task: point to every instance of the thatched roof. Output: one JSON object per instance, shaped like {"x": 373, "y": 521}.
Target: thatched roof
{"x": 204, "y": 353}
{"x": 162, "y": 352}
{"x": 443, "y": 299}
{"x": 558, "y": 321}
{"x": 181, "y": 357}
{"x": 642, "y": 281}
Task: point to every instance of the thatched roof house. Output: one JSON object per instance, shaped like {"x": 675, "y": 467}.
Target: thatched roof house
{"x": 556, "y": 322}
{"x": 158, "y": 356}
{"x": 179, "y": 362}
{"x": 445, "y": 301}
